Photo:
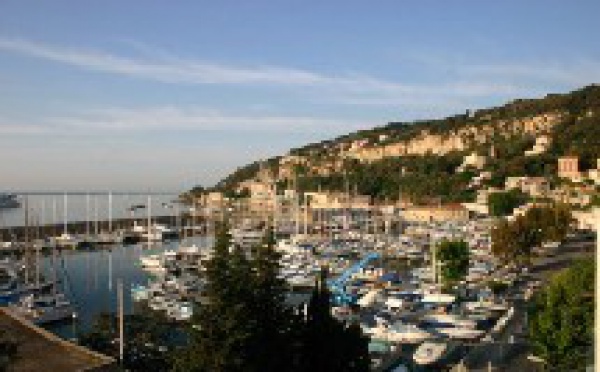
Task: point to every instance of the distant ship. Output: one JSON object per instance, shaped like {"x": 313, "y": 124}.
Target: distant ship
{"x": 9, "y": 201}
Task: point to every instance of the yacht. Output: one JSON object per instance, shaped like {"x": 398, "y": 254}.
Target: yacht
{"x": 44, "y": 309}
{"x": 433, "y": 352}
{"x": 459, "y": 333}
{"x": 9, "y": 201}
{"x": 247, "y": 237}
{"x": 404, "y": 333}
{"x": 447, "y": 321}
{"x": 181, "y": 311}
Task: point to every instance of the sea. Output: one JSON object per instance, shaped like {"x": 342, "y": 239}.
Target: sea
{"x": 90, "y": 280}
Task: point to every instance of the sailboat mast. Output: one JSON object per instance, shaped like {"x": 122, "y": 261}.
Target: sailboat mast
{"x": 26, "y": 236}
{"x": 149, "y": 218}
{"x": 65, "y": 213}
{"x": 87, "y": 215}
{"x": 110, "y": 212}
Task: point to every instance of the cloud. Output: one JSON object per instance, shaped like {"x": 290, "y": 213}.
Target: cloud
{"x": 460, "y": 80}
{"x": 173, "y": 118}
{"x": 158, "y": 65}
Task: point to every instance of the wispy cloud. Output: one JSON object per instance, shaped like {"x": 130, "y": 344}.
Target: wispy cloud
{"x": 169, "y": 70}
{"x": 467, "y": 79}
{"x": 116, "y": 120}
{"x": 158, "y": 65}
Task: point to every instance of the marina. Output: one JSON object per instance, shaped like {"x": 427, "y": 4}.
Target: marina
{"x": 387, "y": 282}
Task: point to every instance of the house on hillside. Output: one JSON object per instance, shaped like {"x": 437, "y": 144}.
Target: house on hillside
{"x": 568, "y": 167}
{"x": 436, "y": 213}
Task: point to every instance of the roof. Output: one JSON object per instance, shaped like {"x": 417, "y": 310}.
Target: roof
{"x": 40, "y": 350}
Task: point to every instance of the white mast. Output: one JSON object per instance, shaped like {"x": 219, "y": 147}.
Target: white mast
{"x": 305, "y": 216}
{"x": 96, "y": 218}
{"x": 65, "y": 213}
{"x": 149, "y": 218}
{"x": 121, "y": 333}
{"x": 87, "y": 215}
{"x": 109, "y": 212}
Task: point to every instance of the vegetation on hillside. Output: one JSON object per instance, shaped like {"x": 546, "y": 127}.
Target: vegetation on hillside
{"x": 503, "y": 203}
{"x": 429, "y": 176}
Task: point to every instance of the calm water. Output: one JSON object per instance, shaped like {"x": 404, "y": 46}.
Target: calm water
{"x": 90, "y": 280}
{"x": 50, "y": 208}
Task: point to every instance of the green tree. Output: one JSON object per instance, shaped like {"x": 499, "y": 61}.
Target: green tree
{"x": 148, "y": 340}
{"x": 514, "y": 241}
{"x": 330, "y": 345}
{"x": 222, "y": 325}
{"x": 562, "y": 318}
{"x": 454, "y": 256}
{"x": 271, "y": 342}
{"x": 503, "y": 203}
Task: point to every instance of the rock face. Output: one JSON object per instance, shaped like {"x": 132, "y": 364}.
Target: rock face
{"x": 458, "y": 140}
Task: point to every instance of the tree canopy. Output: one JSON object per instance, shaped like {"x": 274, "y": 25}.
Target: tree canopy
{"x": 562, "y": 318}
{"x": 454, "y": 257}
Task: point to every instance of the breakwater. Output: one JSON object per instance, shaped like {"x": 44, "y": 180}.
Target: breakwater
{"x": 20, "y": 233}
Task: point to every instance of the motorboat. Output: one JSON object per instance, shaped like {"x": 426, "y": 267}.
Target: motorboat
{"x": 9, "y": 201}
{"x": 432, "y": 352}
{"x": 140, "y": 293}
{"x": 404, "y": 333}
{"x": 459, "y": 333}
{"x": 447, "y": 321}
{"x": 181, "y": 311}
{"x": 44, "y": 309}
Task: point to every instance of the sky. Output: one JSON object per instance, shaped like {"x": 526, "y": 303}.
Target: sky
{"x": 147, "y": 95}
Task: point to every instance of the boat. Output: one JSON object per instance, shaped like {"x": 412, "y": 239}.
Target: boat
{"x": 44, "y": 309}
{"x": 404, "y": 333}
{"x": 433, "y": 352}
{"x": 459, "y": 333}
{"x": 9, "y": 201}
{"x": 246, "y": 236}
{"x": 181, "y": 311}
{"x": 447, "y": 321}
{"x": 139, "y": 293}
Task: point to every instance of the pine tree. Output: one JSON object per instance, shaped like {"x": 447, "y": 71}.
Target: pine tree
{"x": 221, "y": 328}
{"x": 328, "y": 344}
{"x": 271, "y": 345}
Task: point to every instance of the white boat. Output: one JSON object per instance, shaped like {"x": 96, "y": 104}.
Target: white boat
{"x": 246, "y": 237}
{"x": 182, "y": 311}
{"x": 404, "y": 333}
{"x": 151, "y": 261}
{"x": 438, "y": 298}
{"x": 66, "y": 240}
{"x": 448, "y": 321}
{"x": 431, "y": 352}
{"x": 44, "y": 309}
{"x": 460, "y": 333}
{"x": 140, "y": 293}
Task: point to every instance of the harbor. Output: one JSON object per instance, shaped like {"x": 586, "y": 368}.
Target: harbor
{"x": 388, "y": 281}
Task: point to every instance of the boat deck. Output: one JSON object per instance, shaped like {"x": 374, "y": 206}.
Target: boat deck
{"x": 39, "y": 350}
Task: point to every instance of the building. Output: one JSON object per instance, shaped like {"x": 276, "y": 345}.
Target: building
{"x": 541, "y": 145}
{"x": 568, "y": 167}
{"x": 594, "y": 174}
{"x": 441, "y": 213}
{"x": 533, "y": 186}
{"x": 473, "y": 160}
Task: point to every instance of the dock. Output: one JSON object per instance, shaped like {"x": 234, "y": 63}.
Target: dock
{"x": 40, "y": 350}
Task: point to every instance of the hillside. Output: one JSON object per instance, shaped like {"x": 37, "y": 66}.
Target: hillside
{"x": 421, "y": 158}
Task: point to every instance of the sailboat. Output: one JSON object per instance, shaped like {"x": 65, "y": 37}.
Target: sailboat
{"x": 34, "y": 302}
{"x": 66, "y": 240}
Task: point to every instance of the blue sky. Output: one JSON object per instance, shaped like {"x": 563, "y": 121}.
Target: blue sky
{"x": 163, "y": 95}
